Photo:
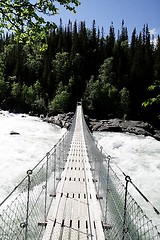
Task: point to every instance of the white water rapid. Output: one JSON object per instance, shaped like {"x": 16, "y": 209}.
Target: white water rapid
{"x": 138, "y": 157}
{"x": 19, "y": 153}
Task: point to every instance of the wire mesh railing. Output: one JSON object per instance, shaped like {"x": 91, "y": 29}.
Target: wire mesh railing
{"x": 122, "y": 217}
{"x": 25, "y": 209}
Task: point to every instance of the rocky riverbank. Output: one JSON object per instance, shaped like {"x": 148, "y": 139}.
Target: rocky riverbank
{"x": 130, "y": 126}
{"x": 111, "y": 125}
{"x": 63, "y": 120}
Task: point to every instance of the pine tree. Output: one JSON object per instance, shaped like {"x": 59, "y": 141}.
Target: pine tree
{"x": 74, "y": 48}
{"x": 110, "y": 42}
{"x": 60, "y": 36}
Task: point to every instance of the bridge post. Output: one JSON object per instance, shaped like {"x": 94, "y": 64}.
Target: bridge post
{"x": 29, "y": 172}
{"x": 63, "y": 149}
{"x": 54, "y": 183}
{"x": 107, "y": 190}
{"x": 99, "y": 177}
{"x": 127, "y": 179}
{"x": 46, "y": 190}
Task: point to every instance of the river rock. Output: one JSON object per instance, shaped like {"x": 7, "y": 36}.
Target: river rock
{"x": 63, "y": 120}
{"x": 137, "y": 125}
{"x": 14, "y": 133}
{"x": 95, "y": 126}
{"x": 157, "y": 135}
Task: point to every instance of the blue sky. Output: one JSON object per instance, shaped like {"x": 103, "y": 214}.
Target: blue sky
{"x": 135, "y": 13}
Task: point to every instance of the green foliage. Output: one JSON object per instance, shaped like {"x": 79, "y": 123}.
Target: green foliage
{"x": 20, "y": 15}
{"x": 61, "y": 67}
{"x": 151, "y": 101}
{"x": 28, "y": 94}
{"x": 91, "y": 94}
{"x": 28, "y": 18}
{"x": 101, "y": 95}
{"x": 28, "y": 98}
{"x": 59, "y": 104}
{"x": 39, "y": 106}
{"x": 33, "y": 61}
{"x": 155, "y": 89}
{"x": 4, "y": 85}
{"x": 124, "y": 102}
{"x": 16, "y": 90}
{"x": 4, "y": 88}
{"x": 152, "y": 87}
{"x": 106, "y": 73}
{"x": 32, "y": 97}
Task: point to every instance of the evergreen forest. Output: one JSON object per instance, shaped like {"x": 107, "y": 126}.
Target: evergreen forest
{"x": 113, "y": 75}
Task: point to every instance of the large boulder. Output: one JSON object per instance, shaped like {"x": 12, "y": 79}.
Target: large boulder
{"x": 129, "y": 125}
{"x": 157, "y": 135}
{"x": 119, "y": 125}
{"x": 14, "y": 133}
{"x": 62, "y": 120}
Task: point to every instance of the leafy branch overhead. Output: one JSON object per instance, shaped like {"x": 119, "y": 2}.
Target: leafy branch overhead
{"x": 29, "y": 16}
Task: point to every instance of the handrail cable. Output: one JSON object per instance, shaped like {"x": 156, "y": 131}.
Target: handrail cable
{"x": 138, "y": 190}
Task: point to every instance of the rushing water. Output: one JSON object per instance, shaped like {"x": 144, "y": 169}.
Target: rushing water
{"x": 18, "y": 153}
{"x": 137, "y": 156}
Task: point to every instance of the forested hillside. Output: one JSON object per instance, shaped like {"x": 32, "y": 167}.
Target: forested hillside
{"x": 114, "y": 75}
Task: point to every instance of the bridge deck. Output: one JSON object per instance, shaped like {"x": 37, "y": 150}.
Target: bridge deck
{"x": 75, "y": 212}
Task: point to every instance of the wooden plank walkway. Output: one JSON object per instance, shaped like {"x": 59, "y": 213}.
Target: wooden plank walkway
{"x": 75, "y": 212}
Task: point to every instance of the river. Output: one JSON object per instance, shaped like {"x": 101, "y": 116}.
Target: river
{"x": 137, "y": 156}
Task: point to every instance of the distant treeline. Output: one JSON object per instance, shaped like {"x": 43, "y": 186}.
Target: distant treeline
{"x": 114, "y": 75}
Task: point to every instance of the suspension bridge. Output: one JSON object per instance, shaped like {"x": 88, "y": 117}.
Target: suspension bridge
{"x": 73, "y": 193}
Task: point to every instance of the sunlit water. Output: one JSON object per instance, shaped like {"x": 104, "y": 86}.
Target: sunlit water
{"x": 18, "y": 153}
{"x": 137, "y": 156}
